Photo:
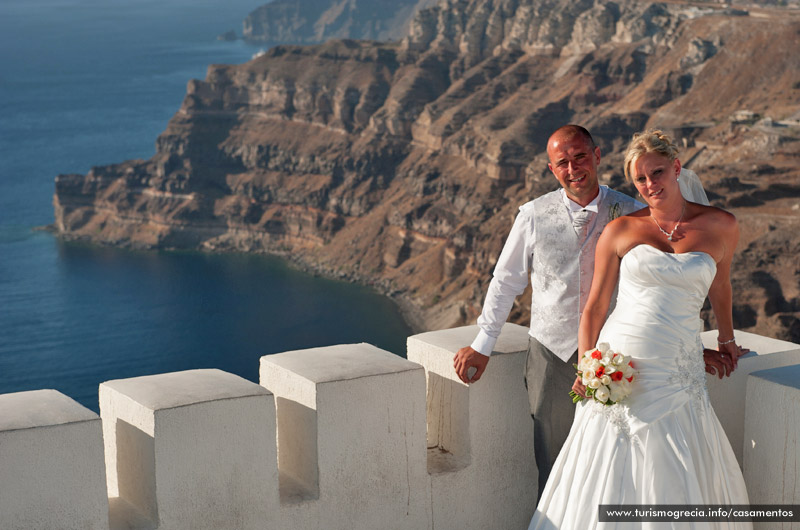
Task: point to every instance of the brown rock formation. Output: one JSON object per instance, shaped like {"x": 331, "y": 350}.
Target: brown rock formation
{"x": 402, "y": 165}
{"x": 314, "y": 21}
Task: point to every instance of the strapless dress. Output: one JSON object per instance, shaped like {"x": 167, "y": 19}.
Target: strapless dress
{"x": 664, "y": 444}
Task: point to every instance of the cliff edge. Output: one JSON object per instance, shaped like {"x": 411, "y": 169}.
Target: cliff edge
{"x": 315, "y": 21}
{"x": 402, "y": 164}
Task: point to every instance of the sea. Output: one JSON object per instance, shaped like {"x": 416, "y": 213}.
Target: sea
{"x": 93, "y": 82}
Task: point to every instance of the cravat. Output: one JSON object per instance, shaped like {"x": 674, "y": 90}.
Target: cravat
{"x": 580, "y": 221}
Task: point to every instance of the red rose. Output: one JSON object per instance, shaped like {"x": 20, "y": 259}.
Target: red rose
{"x": 597, "y": 355}
{"x": 616, "y": 376}
{"x": 600, "y": 371}
{"x": 630, "y": 379}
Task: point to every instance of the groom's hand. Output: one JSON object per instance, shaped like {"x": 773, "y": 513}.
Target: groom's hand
{"x": 467, "y": 358}
{"x": 718, "y": 363}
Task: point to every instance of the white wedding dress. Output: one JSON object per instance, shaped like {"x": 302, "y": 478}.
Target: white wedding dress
{"x": 663, "y": 444}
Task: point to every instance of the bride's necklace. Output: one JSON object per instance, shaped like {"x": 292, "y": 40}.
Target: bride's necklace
{"x": 669, "y": 234}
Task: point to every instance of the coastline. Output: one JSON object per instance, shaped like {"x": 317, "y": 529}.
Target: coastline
{"x": 412, "y": 314}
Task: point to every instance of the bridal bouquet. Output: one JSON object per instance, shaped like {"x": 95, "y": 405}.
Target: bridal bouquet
{"x": 606, "y": 374}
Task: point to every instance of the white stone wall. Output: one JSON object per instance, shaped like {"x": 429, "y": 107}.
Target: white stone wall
{"x": 480, "y": 437}
{"x": 342, "y": 437}
{"x": 772, "y": 423}
{"x": 51, "y": 463}
{"x": 728, "y": 396}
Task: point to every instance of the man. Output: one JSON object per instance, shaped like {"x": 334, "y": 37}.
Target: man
{"x": 552, "y": 241}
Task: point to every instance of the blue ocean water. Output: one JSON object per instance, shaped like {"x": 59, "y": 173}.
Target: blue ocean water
{"x": 90, "y": 82}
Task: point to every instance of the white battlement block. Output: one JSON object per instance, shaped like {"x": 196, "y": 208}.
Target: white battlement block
{"x": 51, "y": 463}
{"x": 351, "y": 438}
{"x": 727, "y": 396}
{"x": 193, "y": 449}
{"x": 772, "y": 428}
{"x": 480, "y": 436}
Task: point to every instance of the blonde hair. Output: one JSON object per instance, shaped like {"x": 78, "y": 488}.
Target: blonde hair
{"x": 650, "y": 141}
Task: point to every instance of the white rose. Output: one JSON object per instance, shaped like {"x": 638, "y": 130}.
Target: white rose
{"x": 606, "y": 380}
{"x": 628, "y": 371}
{"x": 603, "y": 347}
{"x": 601, "y": 394}
{"x": 617, "y": 393}
{"x": 594, "y": 383}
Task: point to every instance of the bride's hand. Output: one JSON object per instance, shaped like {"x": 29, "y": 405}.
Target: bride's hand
{"x": 578, "y": 387}
{"x": 734, "y": 349}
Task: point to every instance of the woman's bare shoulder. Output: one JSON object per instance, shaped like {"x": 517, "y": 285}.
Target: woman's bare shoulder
{"x": 620, "y": 232}
{"x": 618, "y": 224}
{"x": 712, "y": 215}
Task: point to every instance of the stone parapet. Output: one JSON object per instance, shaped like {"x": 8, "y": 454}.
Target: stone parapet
{"x": 51, "y": 464}
{"x": 351, "y": 438}
{"x": 772, "y": 428}
{"x": 341, "y": 437}
{"x": 190, "y": 449}
{"x": 480, "y": 436}
{"x": 728, "y": 396}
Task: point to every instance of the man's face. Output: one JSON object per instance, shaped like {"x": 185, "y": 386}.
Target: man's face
{"x": 574, "y": 163}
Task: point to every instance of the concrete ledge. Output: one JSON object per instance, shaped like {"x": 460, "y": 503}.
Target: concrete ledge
{"x": 772, "y": 428}
{"x": 480, "y": 436}
{"x": 351, "y": 438}
{"x": 51, "y": 472}
{"x": 363, "y": 439}
{"x": 190, "y": 449}
{"x": 726, "y": 394}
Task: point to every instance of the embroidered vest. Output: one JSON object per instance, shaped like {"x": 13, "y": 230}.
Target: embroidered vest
{"x": 562, "y": 266}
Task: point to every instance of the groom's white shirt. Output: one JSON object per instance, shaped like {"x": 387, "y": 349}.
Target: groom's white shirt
{"x": 556, "y": 269}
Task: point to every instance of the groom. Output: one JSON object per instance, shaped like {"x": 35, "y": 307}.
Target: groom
{"x": 552, "y": 242}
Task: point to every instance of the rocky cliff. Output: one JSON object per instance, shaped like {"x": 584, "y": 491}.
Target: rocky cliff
{"x": 314, "y": 21}
{"x": 402, "y": 165}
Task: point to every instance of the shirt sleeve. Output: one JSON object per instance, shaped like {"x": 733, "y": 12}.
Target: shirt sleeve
{"x": 509, "y": 281}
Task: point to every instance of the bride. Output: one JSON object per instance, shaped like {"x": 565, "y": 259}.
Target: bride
{"x": 663, "y": 445}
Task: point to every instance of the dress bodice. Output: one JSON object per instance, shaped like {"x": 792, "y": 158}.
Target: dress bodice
{"x": 673, "y": 282}
{"x": 660, "y": 297}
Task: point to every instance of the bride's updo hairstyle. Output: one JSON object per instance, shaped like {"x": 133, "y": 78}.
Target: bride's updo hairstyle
{"x": 650, "y": 141}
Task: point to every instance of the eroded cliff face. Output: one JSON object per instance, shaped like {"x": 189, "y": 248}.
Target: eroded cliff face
{"x": 315, "y": 21}
{"x": 403, "y": 165}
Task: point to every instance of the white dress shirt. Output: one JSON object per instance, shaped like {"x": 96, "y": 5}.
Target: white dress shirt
{"x": 511, "y": 274}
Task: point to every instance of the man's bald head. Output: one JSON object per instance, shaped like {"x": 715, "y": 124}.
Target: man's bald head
{"x": 567, "y": 132}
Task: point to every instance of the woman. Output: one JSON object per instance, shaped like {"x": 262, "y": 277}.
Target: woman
{"x": 662, "y": 445}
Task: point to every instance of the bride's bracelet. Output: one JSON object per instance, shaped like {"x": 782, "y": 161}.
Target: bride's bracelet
{"x": 726, "y": 342}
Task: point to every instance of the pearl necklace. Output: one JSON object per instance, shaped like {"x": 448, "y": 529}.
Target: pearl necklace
{"x": 669, "y": 234}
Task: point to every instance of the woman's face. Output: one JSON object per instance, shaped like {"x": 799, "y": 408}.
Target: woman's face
{"x": 656, "y": 177}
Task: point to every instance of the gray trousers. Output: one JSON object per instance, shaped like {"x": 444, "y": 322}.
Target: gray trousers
{"x": 548, "y": 380}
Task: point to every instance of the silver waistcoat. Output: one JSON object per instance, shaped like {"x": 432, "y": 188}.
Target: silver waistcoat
{"x": 562, "y": 266}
